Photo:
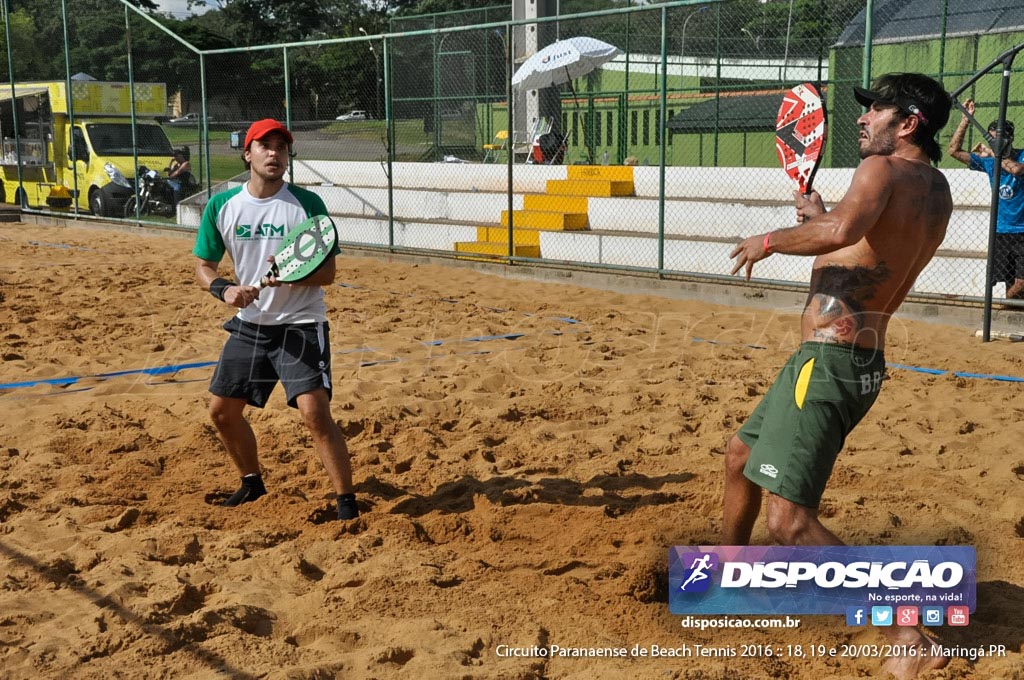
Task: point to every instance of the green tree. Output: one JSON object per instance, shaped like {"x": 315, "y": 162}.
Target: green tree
{"x": 32, "y": 58}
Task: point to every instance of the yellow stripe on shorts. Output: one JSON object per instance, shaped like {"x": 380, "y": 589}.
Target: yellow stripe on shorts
{"x": 803, "y": 381}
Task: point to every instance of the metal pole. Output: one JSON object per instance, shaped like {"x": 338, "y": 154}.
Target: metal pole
{"x": 509, "y": 141}
{"x": 437, "y": 94}
{"x": 785, "y": 54}
{"x": 14, "y": 106}
{"x": 206, "y": 125}
{"x": 131, "y": 102}
{"x": 376, "y": 72}
{"x": 718, "y": 77}
{"x": 628, "y": 31}
{"x": 71, "y": 108}
{"x": 869, "y": 11}
{"x": 390, "y": 132}
{"x": 942, "y": 39}
{"x": 288, "y": 111}
{"x": 1000, "y": 146}
{"x": 662, "y": 130}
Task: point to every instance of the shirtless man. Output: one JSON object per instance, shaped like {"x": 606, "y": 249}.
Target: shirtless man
{"x": 868, "y": 251}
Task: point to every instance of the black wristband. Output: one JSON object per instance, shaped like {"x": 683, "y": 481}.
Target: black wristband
{"x": 218, "y": 286}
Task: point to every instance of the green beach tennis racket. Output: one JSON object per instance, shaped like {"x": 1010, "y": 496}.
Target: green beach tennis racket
{"x": 303, "y": 250}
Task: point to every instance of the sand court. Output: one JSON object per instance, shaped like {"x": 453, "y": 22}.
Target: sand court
{"x": 524, "y": 453}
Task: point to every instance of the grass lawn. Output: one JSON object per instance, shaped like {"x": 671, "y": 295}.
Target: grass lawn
{"x": 189, "y": 136}
{"x": 411, "y": 142}
{"x": 455, "y": 132}
{"x": 225, "y": 162}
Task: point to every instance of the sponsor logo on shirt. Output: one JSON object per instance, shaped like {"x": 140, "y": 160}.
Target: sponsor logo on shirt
{"x": 259, "y": 231}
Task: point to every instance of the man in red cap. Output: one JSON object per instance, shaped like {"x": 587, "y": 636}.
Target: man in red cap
{"x": 280, "y": 333}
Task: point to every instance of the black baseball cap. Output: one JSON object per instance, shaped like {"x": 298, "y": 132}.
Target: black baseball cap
{"x": 1008, "y": 129}
{"x": 899, "y": 90}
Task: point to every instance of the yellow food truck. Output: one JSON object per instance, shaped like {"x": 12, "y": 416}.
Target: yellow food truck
{"x": 48, "y": 163}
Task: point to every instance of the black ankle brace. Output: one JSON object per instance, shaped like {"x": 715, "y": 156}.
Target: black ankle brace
{"x": 347, "y": 508}
{"x": 251, "y": 489}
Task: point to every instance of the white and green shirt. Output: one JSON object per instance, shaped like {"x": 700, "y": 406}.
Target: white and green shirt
{"x": 250, "y": 230}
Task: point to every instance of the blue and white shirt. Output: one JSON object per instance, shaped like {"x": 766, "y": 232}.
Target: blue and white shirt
{"x": 1011, "y": 193}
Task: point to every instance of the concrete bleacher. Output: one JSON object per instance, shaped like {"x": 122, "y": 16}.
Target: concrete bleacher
{"x": 707, "y": 211}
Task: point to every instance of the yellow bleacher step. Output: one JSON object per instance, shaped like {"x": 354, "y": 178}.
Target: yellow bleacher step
{"x": 551, "y": 221}
{"x": 567, "y": 204}
{"x": 495, "y": 249}
{"x": 589, "y": 187}
{"x": 520, "y": 237}
{"x": 614, "y": 173}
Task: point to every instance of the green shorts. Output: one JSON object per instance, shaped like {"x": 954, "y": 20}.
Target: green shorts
{"x": 798, "y": 429}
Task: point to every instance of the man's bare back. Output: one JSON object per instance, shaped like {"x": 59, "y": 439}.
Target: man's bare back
{"x": 855, "y": 290}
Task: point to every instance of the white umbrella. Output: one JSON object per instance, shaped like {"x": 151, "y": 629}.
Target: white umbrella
{"x": 562, "y": 62}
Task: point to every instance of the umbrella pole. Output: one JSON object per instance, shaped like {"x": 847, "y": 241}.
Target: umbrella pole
{"x": 583, "y": 123}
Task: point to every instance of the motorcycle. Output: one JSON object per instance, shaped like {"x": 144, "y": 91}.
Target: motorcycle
{"x": 153, "y": 195}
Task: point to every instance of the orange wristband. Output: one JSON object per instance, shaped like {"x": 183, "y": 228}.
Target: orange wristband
{"x": 767, "y": 244}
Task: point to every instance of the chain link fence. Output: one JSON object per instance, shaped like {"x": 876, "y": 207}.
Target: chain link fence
{"x": 657, "y": 158}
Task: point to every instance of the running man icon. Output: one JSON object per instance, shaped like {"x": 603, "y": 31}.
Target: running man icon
{"x": 698, "y": 572}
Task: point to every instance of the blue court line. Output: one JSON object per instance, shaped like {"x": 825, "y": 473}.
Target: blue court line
{"x": 716, "y": 342}
{"x": 354, "y": 350}
{"x": 175, "y": 368}
{"x": 904, "y": 367}
{"x": 958, "y": 374}
{"x": 156, "y": 370}
{"x": 64, "y": 246}
{"x": 480, "y": 338}
{"x": 61, "y": 393}
{"x": 152, "y": 383}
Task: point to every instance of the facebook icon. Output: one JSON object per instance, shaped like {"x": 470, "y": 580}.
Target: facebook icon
{"x": 856, "y": 616}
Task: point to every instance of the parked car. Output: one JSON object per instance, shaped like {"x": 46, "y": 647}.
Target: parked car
{"x": 355, "y": 114}
{"x": 187, "y": 118}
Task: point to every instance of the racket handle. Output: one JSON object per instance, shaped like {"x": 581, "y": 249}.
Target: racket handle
{"x": 805, "y": 193}
{"x": 273, "y": 271}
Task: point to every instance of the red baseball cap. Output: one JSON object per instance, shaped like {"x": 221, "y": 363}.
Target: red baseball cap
{"x": 262, "y": 128}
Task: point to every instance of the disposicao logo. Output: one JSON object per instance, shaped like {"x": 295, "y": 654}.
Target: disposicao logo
{"x": 698, "y": 574}
{"x": 819, "y": 579}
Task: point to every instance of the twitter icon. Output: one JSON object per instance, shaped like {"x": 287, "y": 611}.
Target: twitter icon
{"x": 881, "y": 616}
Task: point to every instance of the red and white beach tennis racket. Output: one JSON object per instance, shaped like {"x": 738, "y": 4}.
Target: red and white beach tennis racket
{"x": 800, "y": 132}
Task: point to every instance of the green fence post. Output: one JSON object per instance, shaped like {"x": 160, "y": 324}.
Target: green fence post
{"x": 131, "y": 109}
{"x": 288, "y": 109}
{"x": 865, "y": 77}
{"x": 71, "y": 107}
{"x": 389, "y": 132}
{"x": 663, "y": 104}
{"x": 206, "y": 126}
{"x": 14, "y": 106}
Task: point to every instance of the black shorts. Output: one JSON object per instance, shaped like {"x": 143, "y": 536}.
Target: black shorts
{"x": 1007, "y": 259}
{"x": 256, "y": 357}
